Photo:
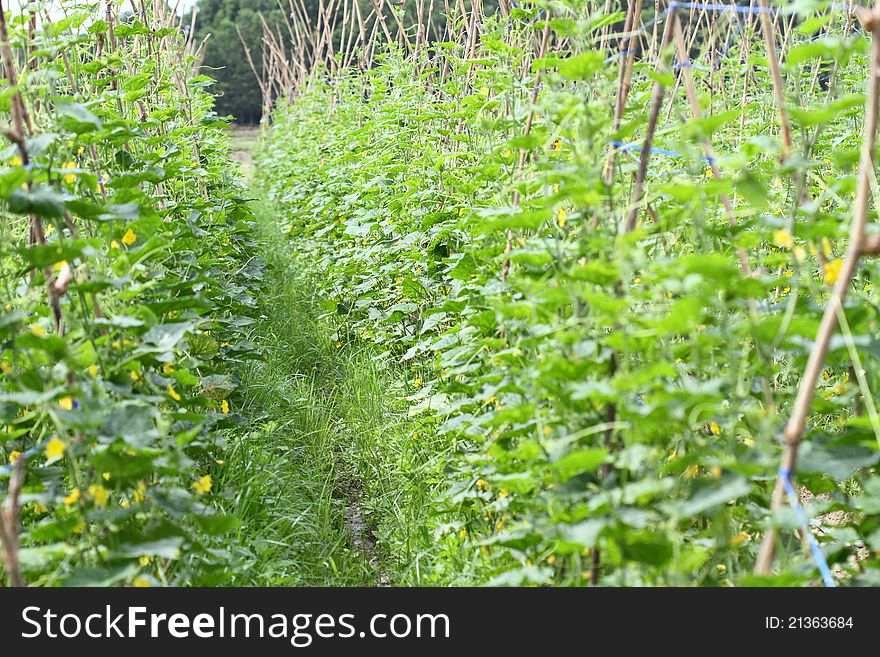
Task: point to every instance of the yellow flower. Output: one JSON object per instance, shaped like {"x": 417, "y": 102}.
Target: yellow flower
{"x": 66, "y": 403}
{"x": 783, "y": 238}
{"x": 106, "y": 476}
{"x": 462, "y": 532}
{"x": 99, "y": 494}
{"x": 61, "y": 264}
{"x": 114, "y": 244}
{"x": 138, "y": 495}
{"x": 13, "y": 455}
{"x": 709, "y": 172}
{"x": 788, "y": 273}
{"x": 224, "y": 406}
{"x": 505, "y": 153}
{"x": 826, "y": 246}
{"x": 40, "y": 508}
{"x": 173, "y": 393}
{"x": 482, "y": 484}
{"x": 38, "y": 330}
{"x": 739, "y": 538}
{"x": 203, "y": 485}
{"x": 69, "y": 178}
{"x": 556, "y": 145}
{"x": 715, "y": 471}
{"x": 714, "y": 428}
{"x": 167, "y": 368}
{"x": 832, "y": 271}
{"x": 561, "y": 216}
{"x": 80, "y": 527}
{"x": 5, "y": 367}
{"x": 502, "y": 493}
{"x": 692, "y": 471}
{"x": 72, "y": 498}
{"x": 125, "y": 504}
{"x": 546, "y": 431}
{"x": 144, "y": 560}
{"x": 135, "y": 375}
{"x": 16, "y": 161}
{"x": 55, "y": 448}
{"x": 140, "y": 582}
{"x": 749, "y": 442}
{"x": 799, "y": 253}
{"x": 417, "y": 383}
{"x": 93, "y": 370}
{"x": 129, "y": 238}
{"x": 484, "y": 91}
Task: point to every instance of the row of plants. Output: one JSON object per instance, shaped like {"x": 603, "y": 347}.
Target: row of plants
{"x": 615, "y": 396}
{"x": 129, "y": 281}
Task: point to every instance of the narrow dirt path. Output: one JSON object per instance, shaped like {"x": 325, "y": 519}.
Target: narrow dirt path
{"x": 244, "y": 141}
{"x": 305, "y": 512}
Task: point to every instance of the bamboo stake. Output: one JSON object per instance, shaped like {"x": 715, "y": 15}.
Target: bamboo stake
{"x": 9, "y": 524}
{"x": 656, "y": 102}
{"x": 625, "y": 71}
{"x": 796, "y": 425}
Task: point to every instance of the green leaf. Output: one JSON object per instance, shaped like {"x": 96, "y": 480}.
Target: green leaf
{"x": 713, "y": 494}
{"x": 164, "y": 338}
{"x": 583, "y": 66}
{"x": 41, "y": 200}
{"x": 77, "y": 118}
{"x": 575, "y": 463}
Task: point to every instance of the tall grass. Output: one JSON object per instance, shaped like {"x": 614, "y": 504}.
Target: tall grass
{"x": 331, "y": 479}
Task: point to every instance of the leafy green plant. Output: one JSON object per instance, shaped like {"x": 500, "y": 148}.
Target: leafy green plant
{"x": 615, "y": 397}
{"x": 128, "y": 281}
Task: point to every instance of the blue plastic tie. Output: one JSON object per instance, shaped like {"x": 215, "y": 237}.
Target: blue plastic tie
{"x": 815, "y": 550}
{"x": 654, "y": 150}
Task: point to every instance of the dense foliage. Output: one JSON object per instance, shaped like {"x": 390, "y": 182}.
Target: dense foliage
{"x": 615, "y": 398}
{"x": 120, "y": 211}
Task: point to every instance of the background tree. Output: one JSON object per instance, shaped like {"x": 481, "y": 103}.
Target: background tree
{"x": 224, "y": 58}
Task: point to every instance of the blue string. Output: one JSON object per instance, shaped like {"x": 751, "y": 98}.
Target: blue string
{"x": 815, "y": 550}
{"x": 713, "y": 7}
{"x": 654, "y": 150}
{"x": 6, "y": 470}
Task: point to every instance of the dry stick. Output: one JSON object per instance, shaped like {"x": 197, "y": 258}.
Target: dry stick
{"x": 377, "y": 7}
{"x": 362, "y": 31}
{"x": 746, "y": 48}
{"x": 55, "y": 287}
{"x": 776, "y": 78}
{"x": 250, "y": 60}
{"x": 401, "y": 32}
{"x": 779, "y": 98}
{"x": 794, "y": 429}
{"x": 656, "y": 102}
{"x": 625, "y": 71}
{"x": 654, "y": 52}
{"x": 9, "y": 524}
{"x": 696, "y": 111}
{"x": 530, "y": 117}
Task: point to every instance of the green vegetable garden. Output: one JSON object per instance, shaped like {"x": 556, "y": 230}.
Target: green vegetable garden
{"x": 563, "y": 293}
